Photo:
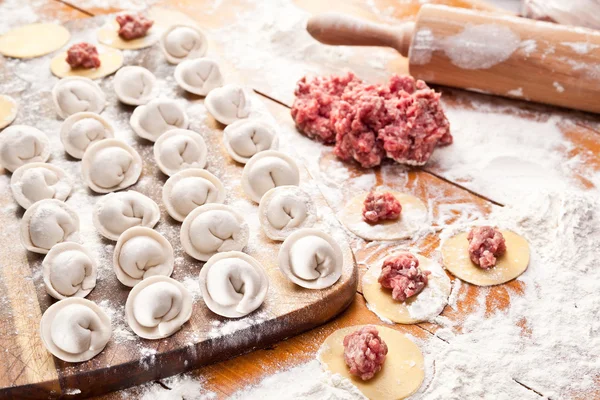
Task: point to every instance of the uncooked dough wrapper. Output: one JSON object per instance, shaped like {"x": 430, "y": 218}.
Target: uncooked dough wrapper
{"x": 110, "y": 61}
{"x": 81, "y": 130}
{"x": 33, "y": 40}
{"x": 47, "y": 223}
{"x": 22, "y": 144}
{"x": 69, "y": 271}
{"x": 245, "y": 138}
{"x": 76, "y": 94}
{"x": 228, "y": 104}
{"x": 267, "y": 170}
{"x": 183, "y": 42}
{"x": 8, "y": 110}
{"x": 157, "y": 117}
{"x": 108, "y": 34}
{"x": 37, "y": 181}
{"x": 199, "y": 76}
{"x": 134, "y": 85}
{"x": 180, "y": 149}
{"x": 285, "y": 209}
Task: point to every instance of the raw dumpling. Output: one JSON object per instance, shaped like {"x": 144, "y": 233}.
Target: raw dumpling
{"x": 199, "y": 76}
{"x": 81, "y": 130}
{"x": 157, "y": 307}
{"x": 157, "y": 117}
{"x": 245, "y": 138}
{"x": 233, "y": 284}
{"x": 228, "y": 104}
{"x": 75, "y": 329}
{"x": 47, "y": 223}
{"x": 77, "y": 94}
{"x": 22, "y": 144}
{"x": 38, "y": 181}
{"x": 114, "y": 213}
{"x": 211, "y": 229}
{"x": 69, "y": 271}
{"x": 180, "y": 149}
{"x": 189, "y": 189}
{"x": 285, "y": 209}
{"x": 110, "y": 165}
{"x": 134, "y": 85}
{"x": 182, "y": 42}
{"x": 141, "y": 253}
{"x": 267, "y": 170}
{"x": 311, "y": 259}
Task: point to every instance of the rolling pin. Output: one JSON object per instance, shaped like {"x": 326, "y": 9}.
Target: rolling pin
{"x": 484, "y": 52}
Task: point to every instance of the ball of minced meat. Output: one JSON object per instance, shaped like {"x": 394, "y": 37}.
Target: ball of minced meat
{"x": 402, "y": 274}
{"x": 486, "y": 244}
{"x": 83, "y": 55}
{"x": 133, "y": 26}
{"x": 381, "y": 207}
{"x": 364, "y": 352}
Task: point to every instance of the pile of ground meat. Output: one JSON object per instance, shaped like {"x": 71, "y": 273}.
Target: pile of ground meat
{"x": 486, "y": 244}
{"x": 402, "y": 274}
{"x": 133, "y": 26}
{"x": 402, "y": 120}
{"x": 382, "y": 206}
{"x": 364, "y": 352}
{"x": 83, "y": 55}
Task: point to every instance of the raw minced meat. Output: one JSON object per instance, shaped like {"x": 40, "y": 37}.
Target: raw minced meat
{"x": 133, "y": 26}
{"x": 364, "y": 352}
{"x": 486, "y": 244}
{"x": 381, "y": 207}
{"x": 83, "y": 55}
{"x": 402, "y": 274}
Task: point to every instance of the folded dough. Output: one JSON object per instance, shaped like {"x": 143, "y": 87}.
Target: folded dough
{"x": 114, "y": 213}
{"x": 285, "y": 209}
{"x": 134, "y": 85}
{"x": 141, "y": 253}
{"x": 110, "y": 165}
{"x": 183, "y": 42}
{"x": 47, "y": 223}
{"x": 247, "y": 137}
{"x": 75, "y": 329}
{"x": 211, "y": 229}
{"x": 82, "y": 129}
{"x": 233, "y": 284}
{"x": 199, "y": 76}
{"x": 22, "y": 144}
{"x": 228, "y": 104}
{"x": 157, "y": 117}
{"x": 180, "y": 149}
{"x": 37, "y": 181}
{"x": 69, "y": 271}
{"x": 77, "y": 94}
{"x": 267, "y": 170}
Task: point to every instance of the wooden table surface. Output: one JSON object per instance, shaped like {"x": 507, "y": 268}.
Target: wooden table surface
{"x": 225, "y": 378}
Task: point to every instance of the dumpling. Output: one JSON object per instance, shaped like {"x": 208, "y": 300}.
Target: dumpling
{"x": 267, "y": 170}
{"x": 233, "y": 284}
{"x": 180, "y": 149}
{"x": 110, "y": 165}
{"x": 189, "y": 189}
{"x": 157, "y": 117}
{"x": 285, "y": 209}
{"x": 69, "y": 271}
{"x": 157, "y": 307}
{"x": 199, "y": 76}
{"x": 37, "y": 181}
{"x": 47, "y": 223}
{"x": 211, "y": 229}
{"x": 22, "y": 144}
{"x": 134, "y": 85}
{"x": 81, "y": 130}
{"x": 141, "y": 253}
{"x": 114, "y": 213}
{"x": 182, "y": 42}
{"x": 228, "y": 104}
{"x": 245, "y": 138}
{"x": 75, "y": 329}
{"x": 311, "y": 259}
{"x": 77, "y": 94}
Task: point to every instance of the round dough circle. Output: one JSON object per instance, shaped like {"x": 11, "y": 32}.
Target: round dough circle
{"x": 134, "y": 85}
{"x": 77, "y": 94}
{"x": 423, "y": 307}
{"x": 154, "y": 294}
{"x": 413, "y": 217}
{"x": 37, "y": 181}
{"x": 159, "y": 116}
{"x": 245, "y": 138}
{"x": 110, "y": 157}
{"x": 180, "y": 149}
{"x": 81, "y": 130}
{"x": 108, "y": 34}
{"x": 33, "y": 40}
{"x": 183, "y": 42}
{"x": 110, "y": 61}
{"x": 8, "y": 110}
{"x": 455, "y": 255}
{"x": 403, "y": 371}
{"x": 247, "y": 273}
{"x": 285, "y": 209}
{"x": 71, "y": 266}
{"x": 228, "y": 104}
{"x": 191, "y": 188}
{"x": 63, "y": 317}
{"x": 199, "y": 76}
{"x": 267, "y": 170}
{"x": 21, "y": 145}
{"x": 52, "y": 222}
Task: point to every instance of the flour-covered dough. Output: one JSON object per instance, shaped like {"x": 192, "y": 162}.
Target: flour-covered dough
{"x": 183, "y": 42}
{"x": 110, "y": 61}
{"x": 134, "y": 85}
{"x": 75, "y": 329}
{"x": 180, "y": 149}
{"x": 157, "y": 117}
{"x": 37, "y": 181}
{"x": 22, "y": 144}
{"x": 48, "y": 222}
{"x": 199, "y": 76}
{"x": 247, "y": 137}
{"x": 228, "y": 104}
{"x": 110, "y": 165}
{"x": 8, "y": 110}
{"x": 77, "y": 94}
{"x": 212, "y": 229}
{"x": 33, "y": 40}
{"x": 284, "y": 210}
{"x": 70, "y": 270}
{"x": 233, "y": 284}
{"x": 82, "y": 129}
{"x": 267, "y": 170}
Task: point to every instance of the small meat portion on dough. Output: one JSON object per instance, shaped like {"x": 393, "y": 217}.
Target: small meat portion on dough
{"x": 364, "y": 352}
{"x": 83, "y": 55}
{"x": 402, "y": 274}
{"x": 486, "y": 244}
{"x": 133, "y": 26}
{"x": 381, "y": 206}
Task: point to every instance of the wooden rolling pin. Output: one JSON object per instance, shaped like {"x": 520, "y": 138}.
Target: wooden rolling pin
{"x": 485, "y": 52}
